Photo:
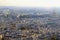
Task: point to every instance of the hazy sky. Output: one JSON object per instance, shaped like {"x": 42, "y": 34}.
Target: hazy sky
{"x": 30, "y": 3}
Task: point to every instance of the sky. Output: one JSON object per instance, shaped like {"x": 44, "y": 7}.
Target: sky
{"x": 30, "y": 3}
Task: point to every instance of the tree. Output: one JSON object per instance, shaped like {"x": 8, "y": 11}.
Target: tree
{"x": 53, "y": 37}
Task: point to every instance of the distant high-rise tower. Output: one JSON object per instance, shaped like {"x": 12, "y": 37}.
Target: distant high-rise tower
{"x": 55, "y": 13}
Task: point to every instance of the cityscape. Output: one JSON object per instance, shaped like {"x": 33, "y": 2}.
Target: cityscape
{"x": 25, "y": 23}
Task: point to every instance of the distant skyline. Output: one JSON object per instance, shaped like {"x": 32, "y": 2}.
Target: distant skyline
{"x": 30, "y": 3}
